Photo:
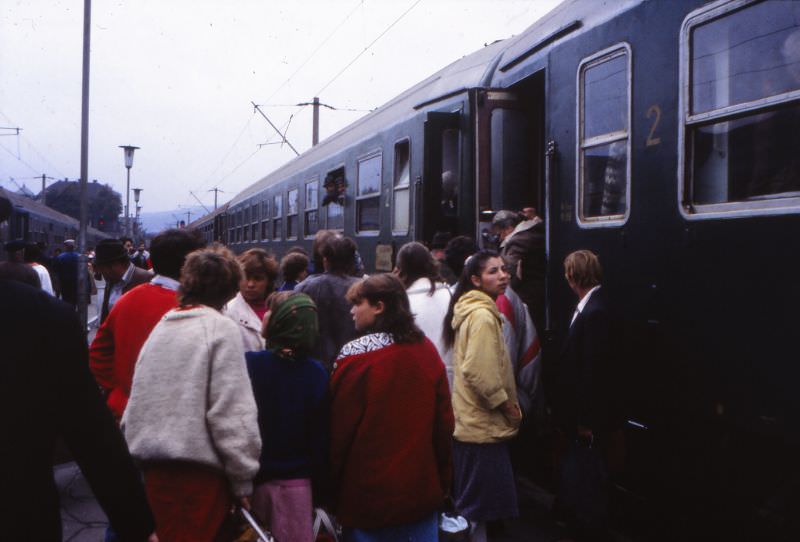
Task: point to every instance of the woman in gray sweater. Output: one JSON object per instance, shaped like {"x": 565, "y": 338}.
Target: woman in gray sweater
{"x": 191, "y": 420}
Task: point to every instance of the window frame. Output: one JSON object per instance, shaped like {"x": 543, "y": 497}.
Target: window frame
{"x": 288, "y": 214}
{"x": 581, "y": 145}
{"x": 277, "y": 217}
{"x": 368, "y": 156}
{"x": 307, "y": 209}
{"x": 255, "y": 230}
{"x": 731, "y": 209}
{"x": 406, "y": 231}
{"x": 266, "y": 221}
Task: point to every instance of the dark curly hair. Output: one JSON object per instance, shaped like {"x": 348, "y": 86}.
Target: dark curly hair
{"x": 396, "y": 318}
{"x": 169, "y": 249}
{"x": 210, "y": 277}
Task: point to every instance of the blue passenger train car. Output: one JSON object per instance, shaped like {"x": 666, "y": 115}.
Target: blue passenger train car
{"x": 662, "y": 135}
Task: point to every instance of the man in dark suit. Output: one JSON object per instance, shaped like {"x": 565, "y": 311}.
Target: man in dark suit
{"x": 583, "y": 399}
{"x": 112, "y": 261}
{"x": 46, "y": 392}
{"x": 584, "y": 394}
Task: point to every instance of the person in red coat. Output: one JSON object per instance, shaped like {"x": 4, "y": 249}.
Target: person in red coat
{"x": 391, "y": 421}
{"x": 113, "y": 354}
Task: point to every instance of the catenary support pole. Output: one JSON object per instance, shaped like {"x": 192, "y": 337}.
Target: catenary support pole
{"x": 84, "y": 206}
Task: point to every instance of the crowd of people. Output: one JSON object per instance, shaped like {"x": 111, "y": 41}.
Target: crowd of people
{"x": 285, "y": 386}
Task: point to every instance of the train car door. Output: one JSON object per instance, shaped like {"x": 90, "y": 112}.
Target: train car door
{"x": 510, "y": 150}
{"x": 19, "y": 226}
{"x": 439, "y": 195}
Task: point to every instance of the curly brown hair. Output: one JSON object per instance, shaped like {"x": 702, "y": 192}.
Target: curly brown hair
{"x": 209, "y": 277}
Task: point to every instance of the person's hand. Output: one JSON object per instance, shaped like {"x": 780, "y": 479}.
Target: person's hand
{"x": 244, "y": 502}
{"x": 152, "y": 538}
{"x": 511, "y": 410}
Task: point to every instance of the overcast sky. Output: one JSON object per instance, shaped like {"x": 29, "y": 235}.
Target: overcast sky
{"x": 176, "y": 78}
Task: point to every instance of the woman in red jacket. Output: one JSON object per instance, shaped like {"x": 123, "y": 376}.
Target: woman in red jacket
{"x": 391, "y": 421}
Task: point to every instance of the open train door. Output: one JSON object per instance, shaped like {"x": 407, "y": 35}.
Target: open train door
{"x": 510, "y": 166}
{"x": 438, "y": 196}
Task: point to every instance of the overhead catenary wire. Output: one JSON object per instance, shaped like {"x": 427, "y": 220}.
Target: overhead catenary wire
{"x": 315, "y": 51}
{"x": 373, "y": 42}
{"x": 22, "y": 137}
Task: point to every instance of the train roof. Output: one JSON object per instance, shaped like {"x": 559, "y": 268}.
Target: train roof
{"x": 210, "y": 216}
{"x": 569, "y": 18}
{"x": 475, "y": 70}
{"x": 468, "y": 72}
{"x": 23, "y": 202}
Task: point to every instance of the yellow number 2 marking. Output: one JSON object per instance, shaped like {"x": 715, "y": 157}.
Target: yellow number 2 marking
{"x": 653, "y": 111}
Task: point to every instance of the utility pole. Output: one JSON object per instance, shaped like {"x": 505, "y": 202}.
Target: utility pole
{"x": 315, "y": 123}
{"x": 315, "y": 127}
{"x": 188, "y": 217}
{"x": 44, "y": 193}
{"x": 215, "y": 190}
{"x": 84, "y": 213}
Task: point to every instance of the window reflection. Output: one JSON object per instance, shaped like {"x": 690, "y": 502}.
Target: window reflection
{"x": 605, "y": 186}
{"x": 749, "y": 54}
{"x": 747, "y": 158}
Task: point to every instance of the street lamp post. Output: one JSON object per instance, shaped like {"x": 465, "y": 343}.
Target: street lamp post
{"x": 128, "y": 149}
{"x": 136, "y": 193}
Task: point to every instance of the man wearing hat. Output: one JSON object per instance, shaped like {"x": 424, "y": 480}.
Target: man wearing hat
{"x": 111, "y": 260}
{"x": 66, "y": 404}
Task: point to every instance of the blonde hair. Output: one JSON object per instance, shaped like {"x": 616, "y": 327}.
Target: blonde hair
{"x": 583, "y": 268}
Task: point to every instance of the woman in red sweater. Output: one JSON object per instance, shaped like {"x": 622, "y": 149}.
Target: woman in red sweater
{"x": 391, "y": 421}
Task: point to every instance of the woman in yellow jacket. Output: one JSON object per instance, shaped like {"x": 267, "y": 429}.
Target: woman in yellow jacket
{"x": 484, "y": 396}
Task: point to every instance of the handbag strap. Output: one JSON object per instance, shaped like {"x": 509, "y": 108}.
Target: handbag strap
{"x": 264, "y": 536}
{"x": 322, "y": 519}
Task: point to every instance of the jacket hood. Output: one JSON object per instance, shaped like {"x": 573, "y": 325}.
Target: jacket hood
{"x": 470, "y": 302}
{"x": 522, "y": 226}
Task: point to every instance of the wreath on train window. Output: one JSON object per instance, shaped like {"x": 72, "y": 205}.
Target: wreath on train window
{"x": 334, "y": 186}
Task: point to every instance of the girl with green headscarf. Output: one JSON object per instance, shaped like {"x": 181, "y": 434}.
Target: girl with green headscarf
{"x": 291, "y": 391}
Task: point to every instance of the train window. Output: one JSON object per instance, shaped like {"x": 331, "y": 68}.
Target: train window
{"x": 740, "y": 103}
{"x": 254, "y": 222}
{"x": 368, "y": 191}
{"x": 451, "y": 172}
{"x": 311, "y": 208}
{"x": 402, "y": 187}
{"x": 265, "y": 220}
{"x": 277, "y": 212}
{"x": 292, "y": 220}
{"x": 603, "y": 192}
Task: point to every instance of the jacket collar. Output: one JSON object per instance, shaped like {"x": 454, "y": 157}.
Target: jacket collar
{"x": 522, "y": 226}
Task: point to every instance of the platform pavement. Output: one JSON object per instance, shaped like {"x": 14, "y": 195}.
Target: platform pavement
{"x": 84, "y": 521}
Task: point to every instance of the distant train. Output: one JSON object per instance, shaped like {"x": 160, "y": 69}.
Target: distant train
{"x": 664, "y": 136}
{"x": 34, "y": 222}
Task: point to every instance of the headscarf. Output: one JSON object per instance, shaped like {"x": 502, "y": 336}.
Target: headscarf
{"x": 293, "y": 329}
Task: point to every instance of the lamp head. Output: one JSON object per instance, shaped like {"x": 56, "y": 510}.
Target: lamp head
{"x": 128, "y": 150}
